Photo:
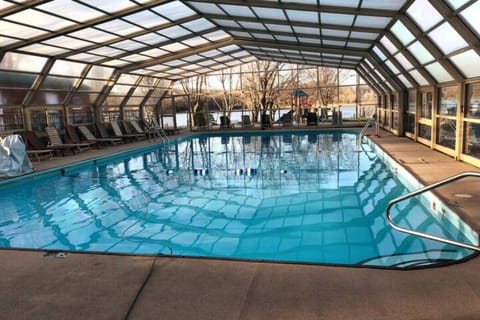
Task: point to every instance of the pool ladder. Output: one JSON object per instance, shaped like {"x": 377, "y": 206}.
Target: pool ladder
{"x": 425, "y": 189}
{"x": 365, "y": 128}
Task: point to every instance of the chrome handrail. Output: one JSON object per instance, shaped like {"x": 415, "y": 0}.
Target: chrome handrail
{"x": 422, "y": 190}
{"x": 365, "y": 128}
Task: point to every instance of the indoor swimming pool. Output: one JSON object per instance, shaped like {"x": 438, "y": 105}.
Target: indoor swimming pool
{"x": 287, "y": 196}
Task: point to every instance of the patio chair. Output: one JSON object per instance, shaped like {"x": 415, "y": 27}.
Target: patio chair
{"x": 225, "y": 122}
{"x": 74, "y": 138}
{"x": 35, "y": 148}
{"x": 246, "y": 121}
{"x": 148, "y": 132}
{"x": 90, "y": 137}
{"x": 117, "y": 131}
{"x": 57, "y": 142}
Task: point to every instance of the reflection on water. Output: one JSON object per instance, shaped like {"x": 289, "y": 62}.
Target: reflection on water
{"x": 296, "y": 197}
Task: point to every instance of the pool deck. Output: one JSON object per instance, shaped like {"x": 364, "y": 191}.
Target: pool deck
{"x": 100, "y": 286}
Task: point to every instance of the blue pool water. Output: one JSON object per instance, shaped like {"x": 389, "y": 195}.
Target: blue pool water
{"x": 292, "y": 196}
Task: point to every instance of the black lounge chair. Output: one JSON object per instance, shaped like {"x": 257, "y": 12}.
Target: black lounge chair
{"x": 56, "y": 142}
{"x": 35, "y": 148}
{"x": 91, "y": 137}
{"x": 74, "y": 138}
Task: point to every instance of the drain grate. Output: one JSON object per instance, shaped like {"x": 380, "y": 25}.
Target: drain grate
{"x": 56, "y": 254}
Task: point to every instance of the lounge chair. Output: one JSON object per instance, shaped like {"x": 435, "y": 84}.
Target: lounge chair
{"x": 312, "y": 119}
{"x": 125, "y": 136}
{"x": 56, "y": 142}
{"x": 224, "y": 122}
{"x": 149, "y": 132}
{"x": 35, "y": 148}
{"x": 246, "y": 123}
{"x": 90, "y": 137}
{"x": 74, "y": 138}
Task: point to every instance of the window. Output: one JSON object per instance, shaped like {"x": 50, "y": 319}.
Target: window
{"x": 472, "y": 108}
{"x": 426, "y": 107}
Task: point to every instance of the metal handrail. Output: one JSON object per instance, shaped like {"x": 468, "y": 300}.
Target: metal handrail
{"x": 422, "y": 190}
{"x": 365, "y": 128}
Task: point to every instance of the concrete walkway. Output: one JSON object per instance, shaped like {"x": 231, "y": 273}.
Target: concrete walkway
{"x": 94, "y": 286}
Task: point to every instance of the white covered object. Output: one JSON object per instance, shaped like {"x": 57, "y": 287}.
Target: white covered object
{"x": 13, "y": 157}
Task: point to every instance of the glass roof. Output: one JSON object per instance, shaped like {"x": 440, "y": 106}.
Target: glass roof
{"x": 404, "y": 43}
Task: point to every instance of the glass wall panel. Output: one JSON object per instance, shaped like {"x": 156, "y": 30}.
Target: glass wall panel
{"x": 80, "y": 115}
{"x": 83, "y": 98}
{"x": 410, "y": 123}
{"x": 426, "y": 106}
{"x": 425, "y": 131}
{"x": 472, "y": 139}
{"x": 57, "y": 83}
{"x": 12, "y": 96}
{"x": 22, "y": 62}
{"x": 38, "y": 120}
{"x": 49, "y": 98}
{"x": 11, "y": 119}
{"x": 448, "y": 101}
{"x": 412, "y": 101}
{"x": 16, "y": 79}
{"x": 472, "y": 108}
{"x": 446, "y": 132}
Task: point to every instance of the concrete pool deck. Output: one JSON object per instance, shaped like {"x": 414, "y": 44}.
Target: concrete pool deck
{"x": 100, "y": 286}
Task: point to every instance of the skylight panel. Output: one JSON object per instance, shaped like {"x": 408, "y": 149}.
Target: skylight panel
{"x": 110, "y": 6}
{"x": 363, "y": 35}
{"x": 39, "y": 48}
{"x": 146, "y": 19}
{"x": 115, "y": 63}
{"x": 154, "y": 53}
{"x": 174, "y": 32}
{"x": 252, "y": 25}
{"x": 151, "y": 38}
{"x": 420, "y": 52}
{"x": 309, "y": 40}
{"x": 306, "y": 30}
{"x": 279, "y": 28}
{"x": 71, "y": 10}
{"x": 372, "y": 22}
{"x": 402, "y": 33}
{"x": 211, "y": 53}
{"x": 229, "y": 48}
{"x": 238, "y": 11}
{"x": 19, "y": 31}
{"x": 405, "y": 81}
{"x": 340, "y": 3}
{"x": 388, "y": 45}
{"x": 226, "y": 23}
{"x": 128, "y": 45}
{"x": 471, "y": 16}
{"x": 424, "y": 14}
{"x": 403, "y": 61}
{"x": 107, "y": 51}
{"x": 264, "y": 36}
{"x": 385, "y": 5}
{"x": 209, "y": 8}
{"x": 337, "y": 18}
{"x": 216, "y": 35}
{"x": 4, "y": 41}
{"x": 286, "y": 38}
{"x": 38, "y": 19}
{"x": 392, "y": 67}
{"x": 136, "y": 58}
{"x": 197, "y": 41}
{"x": 93, "y": 35}
{"x": 174, "y": 10}
{"x": 468, "y": 62}
{"x": 67, "y": 68}
{"x": 447, "y": 38}
{"x": 455, "y": 4}
{"x": 334, "y": 43}
{"x": 119, "y": 27}
{"x": 173, "y": 47}
{"x": 439, "y": 72}
{"x": 335, "y": 33}
{"x": 419, "y": 78}
{"x": 301, "y": 1}
{"x": 270, "y": 13}
{"x": 241, "y": 34}
{"x": 198, "y": 25}
{"x": 86, "y": 57}
{"x": 67, "y": 42}
{"x": 359, "y": 45}
{"x": 302, "y": 16}
{"x": 379, "y": 53}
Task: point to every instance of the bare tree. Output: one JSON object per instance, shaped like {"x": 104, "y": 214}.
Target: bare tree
{"x": 194, "y": 88}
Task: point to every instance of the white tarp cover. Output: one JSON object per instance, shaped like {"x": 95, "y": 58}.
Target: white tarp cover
{"x": 13, "y": 157}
